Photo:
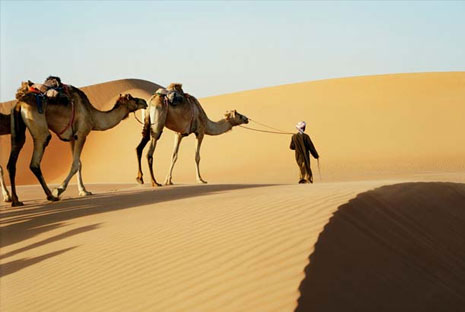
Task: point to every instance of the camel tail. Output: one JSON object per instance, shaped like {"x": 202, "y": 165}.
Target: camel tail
{"x": 18, "y": 127}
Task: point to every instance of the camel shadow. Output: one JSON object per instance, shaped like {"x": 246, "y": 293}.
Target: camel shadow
{"x": 17, "y": 265}
{"x": 26, "y": 223}
{"x": 396, "y": 248}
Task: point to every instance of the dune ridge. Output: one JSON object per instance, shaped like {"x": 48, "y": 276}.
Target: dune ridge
{"x": 395, "y": 248}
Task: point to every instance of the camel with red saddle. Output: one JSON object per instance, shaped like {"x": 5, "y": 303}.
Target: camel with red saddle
{"x": 66, "y": 111}
{"x": 183, "y": 114}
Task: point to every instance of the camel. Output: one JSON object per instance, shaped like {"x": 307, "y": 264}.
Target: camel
{"x": 4, "y": 129}
{"x": 71, "y": 117}
{"x": 183, "y": 114}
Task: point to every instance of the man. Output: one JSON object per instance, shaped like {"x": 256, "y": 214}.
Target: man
{"x": 302, "y": 144}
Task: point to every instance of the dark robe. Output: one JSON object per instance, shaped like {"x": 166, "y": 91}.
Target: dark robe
{"x": 303, "y": 146}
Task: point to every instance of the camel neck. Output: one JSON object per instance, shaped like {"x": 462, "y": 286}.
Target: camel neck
{"x": 217, "y": 127}
{"x": 109, "y": 119}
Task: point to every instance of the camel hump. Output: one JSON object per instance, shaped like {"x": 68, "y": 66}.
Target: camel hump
{"x": 174, "y": 86}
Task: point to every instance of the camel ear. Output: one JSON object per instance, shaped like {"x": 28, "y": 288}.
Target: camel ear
{"x": 128, "y": 96}
{"x": 227, "y": 114}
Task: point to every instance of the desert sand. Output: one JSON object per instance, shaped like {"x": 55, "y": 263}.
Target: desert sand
{"x": 382, "y": 229}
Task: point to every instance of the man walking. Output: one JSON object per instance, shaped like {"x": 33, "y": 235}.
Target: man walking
{"x": 303, "y": 145}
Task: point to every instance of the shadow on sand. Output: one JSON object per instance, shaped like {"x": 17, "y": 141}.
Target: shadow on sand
{"x": 17, "y": 265}
{"x": 396, "y": 248}
{"x": 22, "y": 224}
{"x": 27, "y": 222}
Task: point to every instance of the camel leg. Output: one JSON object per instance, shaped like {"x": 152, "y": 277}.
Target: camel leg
{"x": 197, "y": 158}
{"x": 139, "y": 149}
{"x": 81, "y": 187}
{"x": 38, "y": 128}
{"x": 153, "y": 144}
{"x": 177, "y": 142}
{"x": 40, "y": 143}
{"x": 75, "y": 166}
{"x": 6, "y": 195}
{"x": 18, "y": 138}
{"x": 158, "y": 116}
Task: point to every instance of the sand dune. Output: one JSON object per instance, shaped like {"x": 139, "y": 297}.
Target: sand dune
{"x": 375, "y": 127}
{"x": 238, "y": 248}
{"x": 396, "y": 248}
{"x": 362, "y": 240}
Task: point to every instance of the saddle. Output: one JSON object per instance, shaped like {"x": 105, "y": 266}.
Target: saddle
{"x": 171, "y": 97}
{"x": 174, "y": 95}
{"x": 52, "y": 88}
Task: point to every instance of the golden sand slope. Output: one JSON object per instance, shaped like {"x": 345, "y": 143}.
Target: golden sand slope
{"x": 387, "y": 126}
{"x": 238, "y": 248}
{"x": 363, "y": 127}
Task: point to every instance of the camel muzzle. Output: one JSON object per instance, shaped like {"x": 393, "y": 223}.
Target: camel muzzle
{"x": 143, "y": 104}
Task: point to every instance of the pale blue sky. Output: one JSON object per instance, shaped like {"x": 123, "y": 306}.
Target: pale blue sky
{"x": 221, "y": 47}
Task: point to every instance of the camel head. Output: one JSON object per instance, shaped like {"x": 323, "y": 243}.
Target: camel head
{"x": 132, "y": 103}
{"x": 235, "y": 118}
{"x": 23, "y": 89}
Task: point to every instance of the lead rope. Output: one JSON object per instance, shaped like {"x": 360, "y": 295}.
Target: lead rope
{"x": 266, "y": 131}
{"x": 277, "y": 131}
{"x": 135, "y": 116}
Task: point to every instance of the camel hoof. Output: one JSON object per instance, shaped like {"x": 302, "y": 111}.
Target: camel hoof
{"x": 140, "y": 180}
{"x": 17, "y": 204}
{"x": 201, "y": 182}
{"x": 156, "y": 184}
{"x": 57, "y": 192}
{"x": 168, "y": 182}
{"x": 85, "y": 193}
{"x": 7, "y": 199}
{"x": 52, "y": 198}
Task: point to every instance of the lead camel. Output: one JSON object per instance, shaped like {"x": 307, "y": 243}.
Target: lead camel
{"x": 72, "y": 118}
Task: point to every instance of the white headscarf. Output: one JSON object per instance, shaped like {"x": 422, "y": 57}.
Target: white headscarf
{"x": 301, "y": 126}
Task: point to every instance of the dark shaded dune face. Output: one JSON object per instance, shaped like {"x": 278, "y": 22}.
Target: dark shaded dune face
{"x": 396, "y": 248}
